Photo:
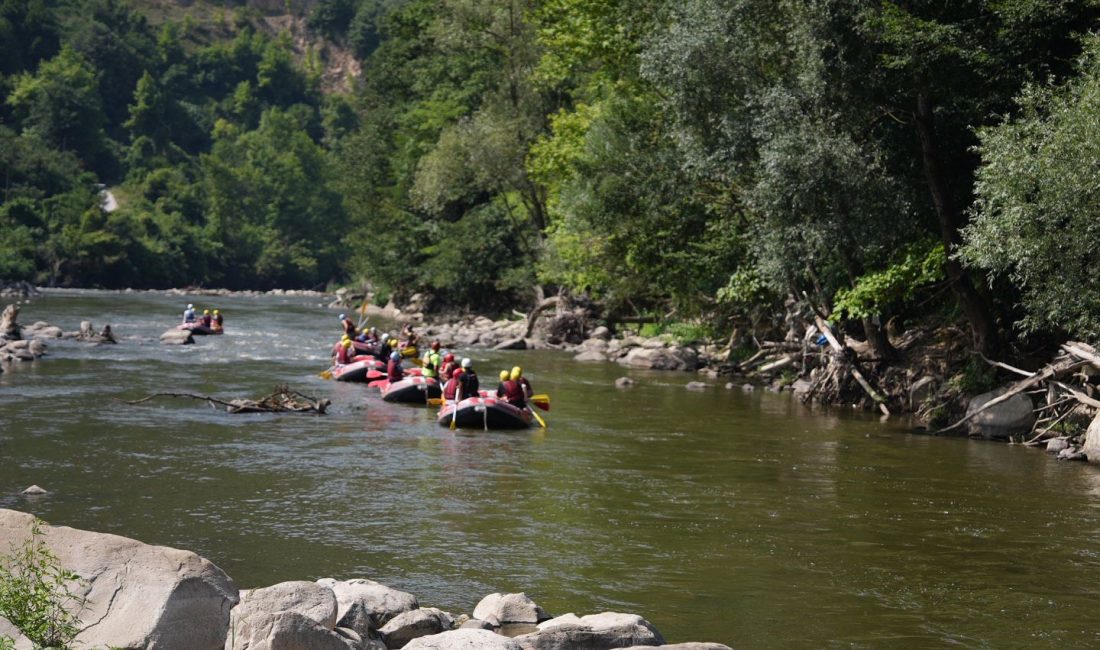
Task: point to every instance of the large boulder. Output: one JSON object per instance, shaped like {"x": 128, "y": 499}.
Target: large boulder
{"x": 660, "y": 358}
{"x": 1012, "y": 417}
{"x": 138, "y": 596}
{"x": 518, "y": 343}
{"x": 464, "y": 640}
{"x": 590, "y": 356}
{"x": 414, "y": 624}
{"x": 593, "y": 632}
{"x": 177, "y": 337}
{"x": 501, "y": 609}
{"x": 286, "y": 616}
{"x": 1091, "y": 448}
{"x": 365, "y": 605}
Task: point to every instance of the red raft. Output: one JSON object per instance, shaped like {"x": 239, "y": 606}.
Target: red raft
{"x": 198, "y": 329}
{"x": 485, "y": 412}
{"x": 358, "y": 370}
{"x": 413, "y": 389}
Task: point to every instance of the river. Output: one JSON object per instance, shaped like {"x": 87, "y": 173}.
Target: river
{"x": 718, "y": 515}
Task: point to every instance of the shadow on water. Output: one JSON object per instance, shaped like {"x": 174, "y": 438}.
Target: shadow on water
{"x": 718, "y": 515}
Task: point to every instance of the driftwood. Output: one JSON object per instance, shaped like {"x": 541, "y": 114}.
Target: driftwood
{"x": 1076, "y": 355}
{"x": 853, "y": 368}
{"x": 283, "y": 400}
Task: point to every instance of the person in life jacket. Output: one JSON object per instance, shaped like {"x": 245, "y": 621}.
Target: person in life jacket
{"x": 349, "y": 327}
{"x": 451, "y": 388}
{"x": 382, "y": 348}
{"x": 219, "y": 322}
{"x": 469, "y": 384}
{"x": 511, "y": 391}
{"x": 432, "y": 361}
{"x": 362, "y": 336}
{"x": 207, "y": 319}
{"x": 448, "y": 368}
{"x": 344, "y": 353}
{"x": 189, "y": 314}
{"x": 371, "y": 335}
{"x": 336, "y": 348}
{"x": 517, "y": 376}
{"x": 394, "y": 372}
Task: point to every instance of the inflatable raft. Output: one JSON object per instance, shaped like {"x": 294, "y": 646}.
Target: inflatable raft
{"x": 485, "y": 412}
{"x": 357, "y": 370}
{"x": 198, "y": 329}
{"x": 414, "y": 389}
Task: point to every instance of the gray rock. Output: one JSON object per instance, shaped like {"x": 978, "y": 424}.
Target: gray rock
{"x": 464, "y": 640}
{"x": 48, "y": 332}
{"x": 138, "y": 596}
{"x": 682, "y": 646}
{"x": 12, "y": 632}
{"x": 595, "y": 345}
{"x": 283, "y": 631}
{"x": 590, "y": 356}
{"x": 1091, "y": 447}
{"x": 309, "y": 599}
{"x": 365, "y": 605}
{"x": 1014, "y": 416}
{"x": 748, "y": 388}
{"x": 10, "y": 329}
{"x": 499, "y": 609}
{"x": 519, "y": 343}
{"x": 801, "y": 387}
{"x": 660, "y": 359}
{"x": 696, "y": 385}
{"x": 410, "y": 625}
{"x": 34, "y": 490}
{"x": 476, "y": 624}
{"x": 624, "y": 382}
{"x": 1055, "y": 445}
{"x": 594, "y": 632}
{"x": 177, "y": 337}
{"x": 920, "y": 391}
{"x": 654, "y": 344}
{"x": 600, "y": 332}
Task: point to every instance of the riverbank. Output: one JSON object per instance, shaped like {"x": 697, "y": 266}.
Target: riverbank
{"x": 129, "y": 594}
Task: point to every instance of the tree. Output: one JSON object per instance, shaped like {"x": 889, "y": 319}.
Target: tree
{"x": 1038, "y": 204}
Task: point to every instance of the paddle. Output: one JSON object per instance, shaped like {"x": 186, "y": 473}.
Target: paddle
{"x": 326, "y": 374}
{"x": 541, "y": 422}
{"x": 454, "y": 412}
{"x": 541, "y": 400}
{"x": 362, "y": 315}
{"x": 436, "y": 401}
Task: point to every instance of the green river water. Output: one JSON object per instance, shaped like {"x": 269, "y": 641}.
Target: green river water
{"x": 717, "y": 515}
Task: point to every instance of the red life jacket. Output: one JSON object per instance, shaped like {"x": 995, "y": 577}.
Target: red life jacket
{"x": 349, "y": 327}
{"x": 206, "y": 320}
{"x": 447, "y": 370}
{"x": 450, "y": 389}
{"x": 513, "y": 393}
{"x": 394, "y": 371}
{"x": 342, "y": 355}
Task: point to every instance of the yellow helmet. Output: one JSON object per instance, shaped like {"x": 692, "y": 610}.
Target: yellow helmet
{"x": 345, "y": 338}
{"x": 504, "y": 375}
{"x": 347, "y": 343}
{"x": 216, "y": 312}
{"x": 205, "y": 312}
{"x": 517, "y": 372}
{"x": 393, "y": 343}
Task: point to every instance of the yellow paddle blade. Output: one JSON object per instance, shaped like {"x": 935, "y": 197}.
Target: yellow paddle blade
{"x": 541, "y": 397}
{"x": 326, "y": 374}
{"x": 436, "y": 401}
{"x": 542, "y": 423}
{"x": 417, "y": 362}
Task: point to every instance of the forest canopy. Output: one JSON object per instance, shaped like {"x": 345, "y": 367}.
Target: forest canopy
{"x": 702, "y": 158}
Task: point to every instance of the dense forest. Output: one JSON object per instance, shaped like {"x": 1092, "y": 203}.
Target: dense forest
{"x": 698, "y": 160}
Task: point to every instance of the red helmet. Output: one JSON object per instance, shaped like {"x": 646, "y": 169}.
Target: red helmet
{"x": 458, "y": 371}
{"x": 435, "y": 345}
{"x": 448, "y": 358}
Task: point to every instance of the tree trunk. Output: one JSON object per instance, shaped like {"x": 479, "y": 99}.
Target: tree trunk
{"x": 973, "y": 304}
{"x": 877, "y": 339}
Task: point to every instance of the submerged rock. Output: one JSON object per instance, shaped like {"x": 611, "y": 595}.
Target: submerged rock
{"x": 624, "y": 382}
{"x": 596, "y": 631}
{"x": 177, "y": 337}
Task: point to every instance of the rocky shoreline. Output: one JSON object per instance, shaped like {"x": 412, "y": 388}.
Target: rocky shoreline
{"x": 141, "y": 596}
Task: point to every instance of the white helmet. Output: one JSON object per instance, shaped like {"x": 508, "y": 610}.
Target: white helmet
{"x": 466, "y": 363}
{"x": 190, "y": 306}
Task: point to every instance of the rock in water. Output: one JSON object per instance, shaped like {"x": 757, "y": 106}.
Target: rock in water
{"x": 34, "y": 490}
{"x": 500, "y": 609}
{"x": 414, "y": 624}
{"x": 1014, "y": 416}
{"x": 9, "y": 328}
{"x": 365, "y": 605}
{"x": 177, "y": 337}
{"x": 606, "y": 630}
{"x": 624, "y": 382}
{"x": 138, "y": 596}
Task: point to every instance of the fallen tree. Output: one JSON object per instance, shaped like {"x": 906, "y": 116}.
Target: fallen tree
{"x": 283, "y": 400}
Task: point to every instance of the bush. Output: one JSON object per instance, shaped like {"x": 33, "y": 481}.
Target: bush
{"x": 35, "y": 595}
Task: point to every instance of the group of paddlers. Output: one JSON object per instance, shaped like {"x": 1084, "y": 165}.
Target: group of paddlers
{"x": 213, "y": 321}
{"x": 459, "y": 379}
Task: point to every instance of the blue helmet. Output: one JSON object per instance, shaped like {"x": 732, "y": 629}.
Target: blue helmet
{"x": 395, "y": 355}
{"x": 343, "y": 316}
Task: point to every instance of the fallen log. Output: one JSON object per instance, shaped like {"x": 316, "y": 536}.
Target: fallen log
{"x": 283, "y": 400}
{"x": 853, "y": 369}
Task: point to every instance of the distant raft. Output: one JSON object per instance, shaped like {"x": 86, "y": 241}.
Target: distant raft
{"x": 358, "y": 370}
{"x": 412, "y": 389}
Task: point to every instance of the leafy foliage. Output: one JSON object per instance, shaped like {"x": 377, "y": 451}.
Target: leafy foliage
{"x": 36, "y": 596}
